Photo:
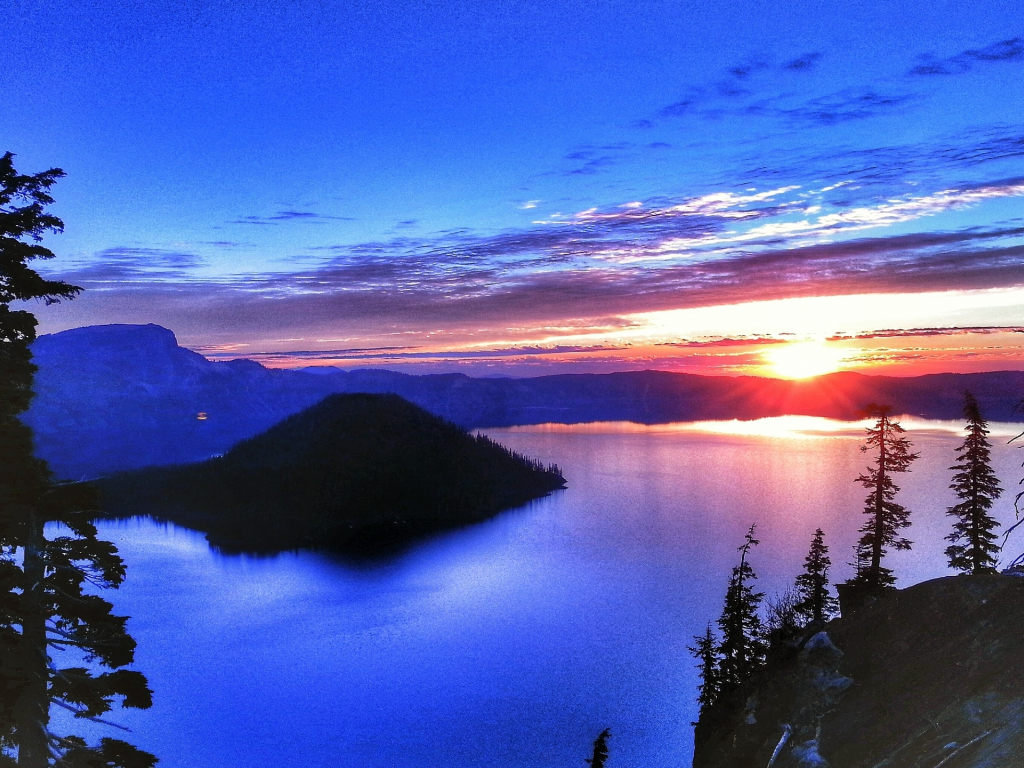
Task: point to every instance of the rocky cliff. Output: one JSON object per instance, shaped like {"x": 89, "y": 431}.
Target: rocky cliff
{"x": 928, "y": 677}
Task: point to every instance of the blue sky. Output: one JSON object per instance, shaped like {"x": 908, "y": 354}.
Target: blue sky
{"x": 519, "y": 187}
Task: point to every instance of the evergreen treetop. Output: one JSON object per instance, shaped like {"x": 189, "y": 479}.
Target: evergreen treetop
{"x": 600, "y": 749}
{"x": 815, "y": 601}
{"x": 705, "y": 650}
{"x": 742, "y": 650}
{"x": 886, "y": 518}
{"x": 973, "y": 547}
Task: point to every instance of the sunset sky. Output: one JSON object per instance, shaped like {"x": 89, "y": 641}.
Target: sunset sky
{"x": 522, "y": 188}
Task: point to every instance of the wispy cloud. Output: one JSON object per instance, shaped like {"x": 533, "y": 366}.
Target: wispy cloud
{"x": 129, "y": 264}
{"x": 782, "y": 92}
{"x": 900, "y": 333}
{"x": 288, "y": 216}
{"x": 1004, "y": 51}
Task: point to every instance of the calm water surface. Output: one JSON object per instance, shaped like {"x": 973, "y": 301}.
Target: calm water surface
{"x": 512, "y": 643}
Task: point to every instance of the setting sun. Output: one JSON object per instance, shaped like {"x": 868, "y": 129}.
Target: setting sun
{"x": 801, "y": 360}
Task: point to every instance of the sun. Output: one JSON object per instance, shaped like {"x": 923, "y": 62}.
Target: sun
{"x": 803, "y": 359}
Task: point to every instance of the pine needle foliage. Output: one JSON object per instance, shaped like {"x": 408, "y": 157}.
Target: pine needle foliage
{"x": 600, "y": 750}
{"x": 814, "y": 599}
{"x": 742, "y": 650}
{"x": 705, "y": 650}
{"x": 886, "y": 518}
{"x": 973, "y": 547}
{"x": 48, "y": 607}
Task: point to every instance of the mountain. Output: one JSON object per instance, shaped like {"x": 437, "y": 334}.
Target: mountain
{"x": 929, "y": 676}
{"x": 350, "y": 470}
{"x": 120, "y": 397}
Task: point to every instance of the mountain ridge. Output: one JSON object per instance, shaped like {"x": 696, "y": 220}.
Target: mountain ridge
{"x": 118, "y": 397}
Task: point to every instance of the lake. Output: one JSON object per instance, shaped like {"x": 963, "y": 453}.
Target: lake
{"x": 514, "y": 642}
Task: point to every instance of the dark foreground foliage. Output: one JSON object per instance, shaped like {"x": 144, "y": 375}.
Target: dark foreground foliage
{"x": 60, "y": 644}
{"x": 350, "y": 472}
{"x": 926, "y": 676}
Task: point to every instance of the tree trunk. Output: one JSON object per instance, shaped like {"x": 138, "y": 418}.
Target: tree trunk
{"x": 33, "y": 709}
{"x": 875, "y": 574}
{"x": 975, "y": 534}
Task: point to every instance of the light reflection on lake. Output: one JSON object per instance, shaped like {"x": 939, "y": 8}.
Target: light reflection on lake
{"x": 514, "y": 642}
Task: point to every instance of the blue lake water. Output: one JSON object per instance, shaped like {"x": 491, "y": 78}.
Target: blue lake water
{"x": 514, "y": 642}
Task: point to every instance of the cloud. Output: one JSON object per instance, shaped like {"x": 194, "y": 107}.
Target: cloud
{"x": 123, "y": 265}
{"x": 288, "y": 215}
{"x": 588, "y": 159}
{"x": 755, "y": 341}
{"x": 711, "y": 250}
{"x": 566, "y": 274}
{"x": 739, "y": 94}
{"x": 759, "y": 88}
{"x": 225, "y": 244}
{"x": 899, "y": 333}
{"x": 803, "y": 63}
{"x": 840, "y": 106}
{"x": 353, "y": 355}
{"x": 1011, "y": 50}
{"x": 952, "y": 160}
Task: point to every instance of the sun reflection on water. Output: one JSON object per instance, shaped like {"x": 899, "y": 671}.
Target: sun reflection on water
{"x": 773, "y": 426}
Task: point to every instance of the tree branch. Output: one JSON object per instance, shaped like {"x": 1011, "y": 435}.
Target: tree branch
{"x": 79, "y": 713}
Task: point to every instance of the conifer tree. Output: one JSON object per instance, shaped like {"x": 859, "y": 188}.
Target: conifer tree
{"x": 600, "y": 749}
{"x": 742, "y": 650}
{"x": 815, "y": 601}
{"x": 886, "y": 518}
{"x": 45, "y": 583}
{"x": 973, "y": 548}
{"x": 705, "y": 650}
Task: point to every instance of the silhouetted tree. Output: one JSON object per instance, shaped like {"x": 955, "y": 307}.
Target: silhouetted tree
{"x": 815, "y": 601}
{"x": 782, "y": 621}
{"x": 1019, "y": 560}
{"x": 886, "y": 518}
{"x": 44, "y": 583}
{"x": 977, "y": 487}
{"x": 705, "y": 650}
{"x": 742, "y": 650}
{"x": 600, "y": 749}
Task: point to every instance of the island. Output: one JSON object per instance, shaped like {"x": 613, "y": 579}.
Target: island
{"x": 353, "y": 472}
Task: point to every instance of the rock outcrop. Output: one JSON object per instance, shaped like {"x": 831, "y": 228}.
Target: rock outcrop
{"x": 931, "y": 676}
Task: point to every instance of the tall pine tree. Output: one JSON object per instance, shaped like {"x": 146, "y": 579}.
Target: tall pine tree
{"x": 742, "y": 650}
{"x": 815, "y": 601}
{"x": 705, "y": 650}
{"x": 973, "y": 547}
{"x": 891, "y": 455}
{"x": 47, "y": 599}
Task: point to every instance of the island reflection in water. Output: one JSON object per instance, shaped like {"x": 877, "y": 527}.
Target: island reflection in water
{"x": 513, "y": 642}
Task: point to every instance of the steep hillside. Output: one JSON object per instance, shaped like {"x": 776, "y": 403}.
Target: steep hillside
{"x": 930, "y": 676}
{"x": 351, "y": 470}
{"x": 121, "y": 397}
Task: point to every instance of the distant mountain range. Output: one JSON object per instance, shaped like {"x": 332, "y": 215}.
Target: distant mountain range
{"x": 351, "y": 472}
{"x": 119, "y": 397}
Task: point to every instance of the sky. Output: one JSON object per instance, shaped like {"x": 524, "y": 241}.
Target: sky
{"x": 524, "y": 188}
